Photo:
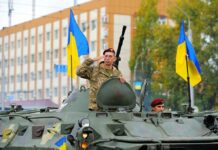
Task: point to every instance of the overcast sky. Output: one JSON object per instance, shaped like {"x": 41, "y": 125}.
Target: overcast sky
{"x": 23, "y": 9}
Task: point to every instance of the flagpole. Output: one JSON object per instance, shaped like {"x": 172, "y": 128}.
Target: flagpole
{"x": 71, "y": 73}
{"x": 190, "y": 109}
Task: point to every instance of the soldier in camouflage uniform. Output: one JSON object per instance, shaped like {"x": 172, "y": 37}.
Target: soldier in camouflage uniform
{"x": 98, "y": 74}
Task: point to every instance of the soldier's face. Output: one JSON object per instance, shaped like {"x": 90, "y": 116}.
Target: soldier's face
{"x": 158, "y": 108}
{"x": 109, "y": 58}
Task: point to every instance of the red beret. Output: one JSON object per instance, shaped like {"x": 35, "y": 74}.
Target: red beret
{"x": 157, "y": 101}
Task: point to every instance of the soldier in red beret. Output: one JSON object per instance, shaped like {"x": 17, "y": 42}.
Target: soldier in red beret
{"x": 157, "y": 105}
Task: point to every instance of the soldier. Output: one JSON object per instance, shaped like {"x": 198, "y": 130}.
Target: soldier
{"x": 98, "y": 74}
{"x": 157, "y": 105}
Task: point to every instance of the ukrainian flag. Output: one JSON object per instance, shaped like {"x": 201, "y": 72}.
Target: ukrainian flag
{"x": 77, "y": 45}
{"x": 61, "y": 143}
{"x": 185, "y": 49}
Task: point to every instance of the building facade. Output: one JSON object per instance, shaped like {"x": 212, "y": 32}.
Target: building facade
{"x": 30, "y": 51}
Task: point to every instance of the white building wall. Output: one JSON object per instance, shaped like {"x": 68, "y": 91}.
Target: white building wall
{"x": 103, "y": 30}
{"x": 25, "y": 63}
{"x": 119, "y": 21}
{"x": 12, "y": 64}
{"x": 18, "y": 65}
{"x": 32, "y": 61}
{"x": 39, "y": 62}
{"x": 93, "y": 33}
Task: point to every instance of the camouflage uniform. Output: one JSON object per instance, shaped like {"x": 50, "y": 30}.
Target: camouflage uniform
{"x": 96, "y": 76}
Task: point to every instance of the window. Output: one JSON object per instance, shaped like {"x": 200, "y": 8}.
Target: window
{"x": 0, "y": 48}
{"x": 56, "y": 53}
{"x": 12, "y": 45}
{"x": 32, "y": 40}
{"x": 25, "y": 42}
{"x": 32, "y": 58}
{"x": 39, "y": 57}
{"x": 47, "y": 74}
{"x": 40, "y": 75}
{"x": 48, "y": 36}
{"x": 12, "y": 79}
{"x": 25, "y": 60}
{"x": 93, "y": 24}
{"x": 40, "y": 38}
{"x": 47, "y": 55}
{"x": 64, "y": 90}
{"x": 6, "y": 46}
{"x": 93, "y": 45}
{"x": 64, "y": 51}
{"x": 18, "y": 43}
{"x": 55, "y": 91}
{"x": 18, "y": 78}
{"x": 12, "y": 62}
{"x": 32, "y": 76}
{"x": 47, "y": 92}
{"x": 83, "y": 27}
{"x": 25, "y": 77}
{"x": 18, "y": 61}
{"x": 56, "y": 34}
{"x": 65, "y": 31}
{"x": 39, "y": 93}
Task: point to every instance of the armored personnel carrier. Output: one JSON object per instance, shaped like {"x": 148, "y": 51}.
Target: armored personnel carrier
{"x": 119, "y": 124}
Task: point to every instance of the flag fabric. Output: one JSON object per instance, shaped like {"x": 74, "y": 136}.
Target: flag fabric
{"x": 185, "y": 49}
{"x": 61, "y": 143}
{"x": 77, "y": 46}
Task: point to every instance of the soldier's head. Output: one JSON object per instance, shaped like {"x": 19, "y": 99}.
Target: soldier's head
{"x": 109, "y": 56}
{"x": 157, "y": 105}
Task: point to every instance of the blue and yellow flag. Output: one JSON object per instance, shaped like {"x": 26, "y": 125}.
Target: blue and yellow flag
{"x": 185, "y": 49}
{"x": 61, "y": 143}
{"x": 77, "y": 45}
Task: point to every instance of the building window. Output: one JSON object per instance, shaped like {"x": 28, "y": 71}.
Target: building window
{"x": 40, "y": 57}
{"x": 64, "y": 90}
{"x": 47, "y": 55}
{"x": 93, "y": 24}
{"x": 12, "y": 45}
{"x": 40, "y": 38}
{"x": 56, "y": 53}
{"x": 18, "y": 61}
{"x": 6, "y": 47}
{"x": 32, "y": 58}
{"x": 0, "y": 48}
{"x": 47, "y": 74}
{"x": 18, "y": 43}
{"x": 39, "y": 93}
{"x": 47, "y": 92}
{"x": 83, "y": 27}
{"x": 48, "y": 36}
{"x": 25, "y": 60}
{"x": 40, "y": 75}
{"x": 25, "y": 77}
{"x": 55, "y": 91}
{"x": 32, "y": 76}
{"x": 32, "y": 40}
{"x": 93, "y": 45}
{"x": 12, "y": 79}
{"x": 18, "y": 78}
{"x": 64, "y": 51}
{"x": 12, "y": 62}
{"x": 56, "y": 34}
{"x": 25, "y": 41}
{"x": 65, "y": 31}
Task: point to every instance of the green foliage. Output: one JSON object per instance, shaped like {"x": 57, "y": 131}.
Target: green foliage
{"x": 157, "y": 44}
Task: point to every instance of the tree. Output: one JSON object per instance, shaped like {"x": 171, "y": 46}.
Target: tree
{"x": 161, "y": 41}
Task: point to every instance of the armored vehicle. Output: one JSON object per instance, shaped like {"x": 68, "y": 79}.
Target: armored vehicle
{"x": 119, "y": 124}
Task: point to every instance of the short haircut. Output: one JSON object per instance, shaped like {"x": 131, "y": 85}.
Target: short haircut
{"x": 109, "y": 50}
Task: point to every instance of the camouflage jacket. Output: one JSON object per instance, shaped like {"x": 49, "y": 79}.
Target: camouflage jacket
{"x": 96, "y": 76}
